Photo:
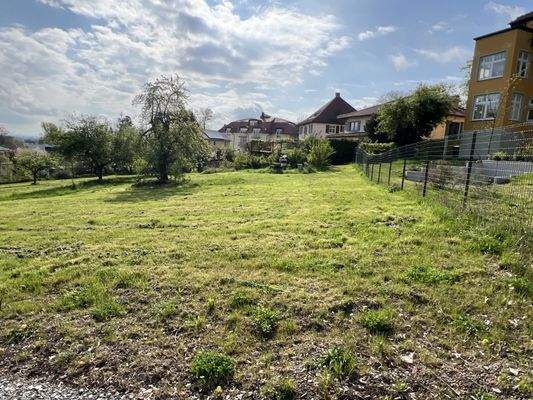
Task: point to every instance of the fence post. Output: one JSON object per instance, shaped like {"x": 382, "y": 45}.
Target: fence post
{"x": 425, "y": 179}
{"x": 469, "y": 168}
{"x": 390, "y": 169}
{"x": 372, "y": 173}
{"x": 379, "y": 173}
{"x": 403, "y": 173}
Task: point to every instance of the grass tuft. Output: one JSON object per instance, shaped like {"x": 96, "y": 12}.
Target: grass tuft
{"x": 379, "y": 322}
{"x": 211, "y": 369}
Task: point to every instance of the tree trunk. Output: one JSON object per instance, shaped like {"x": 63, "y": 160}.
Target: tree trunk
{"x": 35, "y": 178}
{"x": 163, "y": 174}
{"x": 100, "y": 173}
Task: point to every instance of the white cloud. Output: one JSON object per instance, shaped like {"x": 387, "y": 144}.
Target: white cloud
{"x": 510, "y": 12}
{"x": 377, "y": 32}
{"x": 401, "y": 62}
{"x": 453, "y": 54}
{"x": 441, "y": 26}
{"x": 50, "y": 72}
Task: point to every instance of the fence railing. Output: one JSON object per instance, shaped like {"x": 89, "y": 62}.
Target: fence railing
{"x": 488, "y": 173}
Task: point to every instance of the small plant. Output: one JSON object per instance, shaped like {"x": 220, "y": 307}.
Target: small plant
{"x": 467, "y": 324}
{"x": 340, "y": 362}
{"x": 522, "y": 286}
{"x": 280, "y": 389}
{"x": 210, "y": 305}
{"x": 105, "y": 310}
{"x": 211, "y": 369}
{"x": 378, "y": 321}
{"x": 393, "y": 188}
{"x": 265, "y": 322}
{"x": 242, "y": 299}
{"x": 166, "y": 309}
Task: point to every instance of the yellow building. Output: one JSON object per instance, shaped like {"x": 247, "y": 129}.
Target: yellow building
{"x": 500, "y": 91}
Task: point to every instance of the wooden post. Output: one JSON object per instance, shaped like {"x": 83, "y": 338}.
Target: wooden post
{"x": 390, "y": 170}
{"x": 403, "y": 173}
{"x": 469, "y": 168}
{"x": 372, "y": 173}
{"x": 425, "y": 179}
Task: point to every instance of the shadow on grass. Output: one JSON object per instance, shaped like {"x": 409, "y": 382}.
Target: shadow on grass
{"x": 67, "y": 189}
{"x": 151, "y": 190}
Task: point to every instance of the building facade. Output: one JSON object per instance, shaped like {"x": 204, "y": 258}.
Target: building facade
{"x": 500, "y": 91}
{"x": 324, "y": 121}
{"x": 266, "y": 131}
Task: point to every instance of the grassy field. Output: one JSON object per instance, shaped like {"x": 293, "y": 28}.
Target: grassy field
{"x": 320, "y": 286}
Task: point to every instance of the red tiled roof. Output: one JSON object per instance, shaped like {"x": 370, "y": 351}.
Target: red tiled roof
{"x": 265, "y": 122}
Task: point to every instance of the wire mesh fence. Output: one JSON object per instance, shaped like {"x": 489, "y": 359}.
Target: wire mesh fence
{"x": 488, "y": 174}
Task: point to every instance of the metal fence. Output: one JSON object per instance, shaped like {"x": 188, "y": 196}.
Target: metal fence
{"x": 488, "y": 174}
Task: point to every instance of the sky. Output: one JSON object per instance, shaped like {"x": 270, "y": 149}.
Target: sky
{"x": 238, "y": 57}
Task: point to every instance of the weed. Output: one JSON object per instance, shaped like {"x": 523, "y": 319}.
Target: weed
{"x": 211, "y": 369}
{"x": 166, "y": 309}
{"x": 467, "y": 324}
{"x": 242, "y": 299}
{"x": 210, "y": 305}
{"x": 265, "y": 322}
{"x": 279, "y": 389}
{"x": 106, "y": 309}
{"x": 340, "y": 362}
{"x": 379, "y": 321}
{"x": 429, "y": 275}
{"x": 522, "y": 286}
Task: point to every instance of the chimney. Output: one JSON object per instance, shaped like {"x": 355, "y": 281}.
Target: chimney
{"x": 337, "y": 94}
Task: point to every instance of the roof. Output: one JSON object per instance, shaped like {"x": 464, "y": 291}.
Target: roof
{"x": 266, "y": 123}
{"x": 216, "y": 135}
{"x": 4, "y": 149}
{"x": 328, "y": 112}
{"x": 522, "y": 20}
{"x": 365, "y": 112}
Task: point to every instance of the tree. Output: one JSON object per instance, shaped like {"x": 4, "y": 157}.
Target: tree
{"x": 409, "y": 119}
{"x": 34, "y": 162}
{"x": 173, "y": 140}
{"x": 372, "y": 130}
{"x": 86, "y": 138}
{"x": 125, "y": 144}
{"x": 9, "y": 141}
{"x": 204, "y": 116}
{"x": 320, "y": 155}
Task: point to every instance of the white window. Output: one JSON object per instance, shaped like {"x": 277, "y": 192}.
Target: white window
{"x": 355, "y": 126}
{"x": 486, "y": 106}
{"x": 523, "y": 64}
{"x": 242, "y": 140}
{"x": 228, "y": 130}
{"x": 253, "y": 122}
{"x": 330, "y": 128}
{"x": 516, "y": 107}
{"x": 530, "y": 110}
{"x": 279, "y": 131}
{"x": 492, "y": 66}
{"x": 244, "y": 129}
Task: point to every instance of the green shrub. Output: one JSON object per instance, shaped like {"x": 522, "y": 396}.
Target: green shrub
{"x": 378, "y": 321}
{"x": 265, "y": 322}
{"x": 249, "y": 161}
{"x": 467, "y": 324}
{"x": 296, "y": 156}
{"x": 340, "y": 362}
{"x": 376, "y": 148}
{"x": 211, "y": 369}
{"x": 320, "y": 155}
{"x": 280, "y": 389}
{"x": 166, "y": 309}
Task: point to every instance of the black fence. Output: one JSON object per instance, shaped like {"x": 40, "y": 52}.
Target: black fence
{"x": 486, "y": 173}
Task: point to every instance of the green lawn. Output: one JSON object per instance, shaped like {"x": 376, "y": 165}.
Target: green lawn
{"x": 122, "y": 285}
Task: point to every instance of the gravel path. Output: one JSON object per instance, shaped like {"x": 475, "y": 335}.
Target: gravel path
{"x": 14, "y": 388}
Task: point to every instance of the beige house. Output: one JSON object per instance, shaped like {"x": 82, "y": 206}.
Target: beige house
{"x": 500, "y": 91}
{"x": 324, "y": 122}
{"x": 262, "y": 134}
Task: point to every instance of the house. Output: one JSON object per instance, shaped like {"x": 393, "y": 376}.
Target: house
{"x": 219, "y": 140}
{"x": 355, "y": 123}
{"x": 500, "y": 91}
{"x": 324, "y": 121}
{"x": 266, "y": 131}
